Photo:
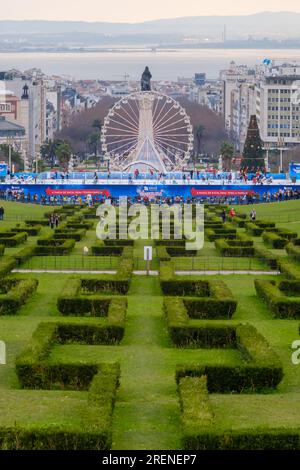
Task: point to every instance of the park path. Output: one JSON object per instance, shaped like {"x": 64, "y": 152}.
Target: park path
{"x": 147, "y": 414}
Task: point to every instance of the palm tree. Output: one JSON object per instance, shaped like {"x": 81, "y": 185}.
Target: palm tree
{"x": 227, "y": 153}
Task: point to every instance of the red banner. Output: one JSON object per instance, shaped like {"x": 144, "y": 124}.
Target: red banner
{"x": 77, "y": 192}
{"x": 221, "y": 192}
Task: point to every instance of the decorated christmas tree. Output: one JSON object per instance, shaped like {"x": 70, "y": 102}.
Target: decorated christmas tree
{"x": 253, "y": 155}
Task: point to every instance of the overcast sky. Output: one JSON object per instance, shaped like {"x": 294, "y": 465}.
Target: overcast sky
{"x": 135, "y": 10}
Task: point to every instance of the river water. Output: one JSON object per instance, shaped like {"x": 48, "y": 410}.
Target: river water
{"x": 164, "y": 65}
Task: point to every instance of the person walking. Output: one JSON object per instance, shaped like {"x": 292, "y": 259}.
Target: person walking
{"x": 232, "y": 213}
{"x": 253, "y": 215}
{"x": 1, "y": 213}
{"x": 223, "y": 216}
{"x": 52, "y": 221}
{"x": 56, "y": 220}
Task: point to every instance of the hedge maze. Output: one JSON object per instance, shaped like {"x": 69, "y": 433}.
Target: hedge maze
{"x": 123, "y": 361}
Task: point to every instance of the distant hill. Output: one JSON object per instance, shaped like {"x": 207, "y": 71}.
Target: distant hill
{"x": 281, "y": 24}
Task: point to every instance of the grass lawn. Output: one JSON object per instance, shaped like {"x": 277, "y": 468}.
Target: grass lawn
{"x": 147, "y": 412}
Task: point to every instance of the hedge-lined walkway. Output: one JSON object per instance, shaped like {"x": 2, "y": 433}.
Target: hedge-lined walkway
{"x": 147, "y": 410}
{"x": 147, "y": 414}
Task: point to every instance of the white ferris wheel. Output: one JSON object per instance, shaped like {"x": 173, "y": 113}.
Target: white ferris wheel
{"x": 147, "y": 130}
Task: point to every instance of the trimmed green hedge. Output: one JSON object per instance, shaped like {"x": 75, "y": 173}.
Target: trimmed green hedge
{"x": 265, "y": 224}
{"x": 267, "y": 257}
{"x": 275, "y": 240}
{"x": 101, "y": 396}
{"x": 7, "y": 264}
{"x": 35, "y": 372}
{"x": 64, "y": 234}
{"x": 12, "y": 238}
{"x": 32, "y": 230}
{"x": 51, "y": 246}
{"x": 118, "y": 242}
{"x": 289, "y": 269}
{"x": 36, "y": 222}
{"x": 14, "y": 293}
{"x": 253, "y": 229}
{"x": 293, "y": 251}
{"x": 162, "y": 254}
{"x": 201, "y": 433}
{"x": 276, "y": 296}
{"x": 106, "y": 250}
{"x": 260, "y": 367}
{"x": 83, "y": 297}
{"x": 235, "y": 248}
{"x": 24, "y": 254}
{"x": 227, "y": 231}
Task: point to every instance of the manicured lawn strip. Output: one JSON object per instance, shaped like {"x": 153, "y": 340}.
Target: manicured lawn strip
{"x": 285, "y": 212}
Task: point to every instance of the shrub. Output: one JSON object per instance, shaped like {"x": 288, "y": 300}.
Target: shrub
{"x": 54, "y": 247}
{"x": 24, "y": 254}
{"x": 280, "y": 304}
{"x": 79, "y": 225}
{"x": 290, "y": 269}
{"x": 65, "y": 234}
{"x": 259, "y": 369}
{"x": 15, "y": 293}
{"x": 31, "y": 231}
{"x": 265, "y": 224}
{"x": 83, "y": 296}
{"x": 12, "y": 238}
{"x": 235, "y": 248}
{"x": 274, "y": 239}
{"x": 293, "y": 251}
{"x": 6, "y": 266}
{"x": 118, "y": 242}
{"x": 267, "y": 257}
{"x": 106, "y": 250}
{"x": 38, "y": 222}
{"x": 227, "y": 231}
{"x": 162, "y": 254}
{"x": 33, "y": 369}
{"x": 200, "y": 431}
{"x": 254, "y": 229}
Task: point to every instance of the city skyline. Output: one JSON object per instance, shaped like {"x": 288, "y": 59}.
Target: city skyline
{"x": 133, "y": 13}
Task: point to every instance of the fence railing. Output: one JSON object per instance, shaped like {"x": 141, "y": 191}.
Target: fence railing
{"x": 220, "y": 264}
{"x": 71, "y": 263}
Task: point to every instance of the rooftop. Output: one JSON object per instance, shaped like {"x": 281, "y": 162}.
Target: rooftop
{"x": 9, "y": 129}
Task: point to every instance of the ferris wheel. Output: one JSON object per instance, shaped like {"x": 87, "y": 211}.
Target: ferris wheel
{"x": 147, "y": 130}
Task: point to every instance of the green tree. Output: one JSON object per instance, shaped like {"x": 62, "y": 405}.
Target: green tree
{"x": 227, "y": 153}
{"x": 253, "y": 155}
{"x": 16, "y": 158}
{"x": 48, "y": 151}
{"x": 95, "y": 137}
{"x": 198, "y": 136}
{"x": 63, "y": 152}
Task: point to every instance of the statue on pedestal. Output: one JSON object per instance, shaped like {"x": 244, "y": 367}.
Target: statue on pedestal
{"x": 146, "y": 80}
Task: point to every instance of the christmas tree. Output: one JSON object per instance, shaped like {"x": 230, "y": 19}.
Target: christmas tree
{"x": 253, "y": 155}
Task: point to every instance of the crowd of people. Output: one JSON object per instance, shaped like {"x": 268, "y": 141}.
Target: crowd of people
{"x": 283, "y": 194}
